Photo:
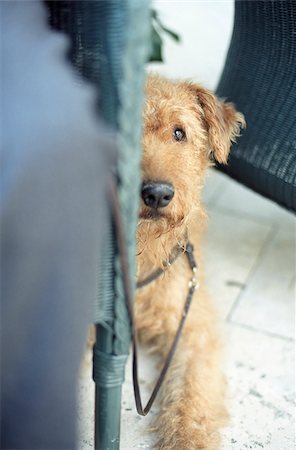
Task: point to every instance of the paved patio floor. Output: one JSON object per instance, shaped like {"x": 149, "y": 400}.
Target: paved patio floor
{"x": 250, "y": 256}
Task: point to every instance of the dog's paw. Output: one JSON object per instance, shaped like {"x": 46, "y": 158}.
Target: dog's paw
{"x": 183, "y": 428}
{"x": 189, "y": 439}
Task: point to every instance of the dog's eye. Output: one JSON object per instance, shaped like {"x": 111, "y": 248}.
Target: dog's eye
{"x": 179, "y": 134}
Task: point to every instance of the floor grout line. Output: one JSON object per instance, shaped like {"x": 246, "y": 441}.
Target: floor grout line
{"x": 264, "y": 332}
{"x": 266, "y": 244}
{"x": 246, "y": 216}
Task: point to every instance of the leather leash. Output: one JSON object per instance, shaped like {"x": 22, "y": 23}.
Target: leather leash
{"x": 178, "y": 250}
{"x": 192, "y": 286}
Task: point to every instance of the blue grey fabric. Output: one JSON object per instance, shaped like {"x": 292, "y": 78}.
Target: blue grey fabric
{"x": 52, "y": 217}
{"x": 109, "y": 47}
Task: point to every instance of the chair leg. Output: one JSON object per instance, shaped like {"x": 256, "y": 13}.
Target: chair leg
{"x": 108, "y": 374}
{"x": 107, "y": 413}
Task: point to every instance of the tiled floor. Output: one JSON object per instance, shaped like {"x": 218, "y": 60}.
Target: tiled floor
{"x": 250, "y": 255}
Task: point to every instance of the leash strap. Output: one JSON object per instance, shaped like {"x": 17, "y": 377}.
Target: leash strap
{"x": 192, "y": 286}
{"x": 178, "y": 250}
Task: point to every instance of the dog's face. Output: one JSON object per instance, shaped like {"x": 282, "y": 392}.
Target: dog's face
{"x": 185, "y": 126}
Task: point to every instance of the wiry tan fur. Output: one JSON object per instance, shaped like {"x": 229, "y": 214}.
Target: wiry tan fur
{"x": 192, "y": 397}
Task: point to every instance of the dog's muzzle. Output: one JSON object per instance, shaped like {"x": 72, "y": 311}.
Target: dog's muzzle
{"x": 157, "y": 194}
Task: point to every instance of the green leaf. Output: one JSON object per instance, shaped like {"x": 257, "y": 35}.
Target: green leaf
{"x": 156, "y": 51}
{"x": 157, "y": 28}
{"x": 174, "y": 35}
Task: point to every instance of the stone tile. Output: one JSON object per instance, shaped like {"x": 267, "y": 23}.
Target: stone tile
{"x": 267, "y": 303}
{"x": 141, "y": 436}
{"x": 86, "y": 404}
{"x": 261, "y": 391}
{"x": 215, "y": 183}
{"x": 242, "y": 201}
{"x": 232, "y": 246}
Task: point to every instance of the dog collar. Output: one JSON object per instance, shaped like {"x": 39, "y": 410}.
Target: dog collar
{"x": 177, "y": 251}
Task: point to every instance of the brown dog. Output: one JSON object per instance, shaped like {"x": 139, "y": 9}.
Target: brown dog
{"x": 185, "y": 127}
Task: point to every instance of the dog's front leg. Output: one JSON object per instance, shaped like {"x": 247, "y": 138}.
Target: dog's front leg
{"x": 192, "y": 396}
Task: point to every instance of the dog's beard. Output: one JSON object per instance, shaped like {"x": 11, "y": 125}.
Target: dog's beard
{"x": 163, "y": 227}
{"x": 158, "y": 234}
{"x": 156, "y": 241}
{"x": 151, "y": 214}
{"x": 158, "y": 222}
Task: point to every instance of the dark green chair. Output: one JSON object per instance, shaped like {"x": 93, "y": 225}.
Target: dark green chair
{"x": 110, "y": 45}
{"x": 259, "y": 76}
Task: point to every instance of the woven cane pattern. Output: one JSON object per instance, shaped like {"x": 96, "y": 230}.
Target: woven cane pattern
{"x": 131, "y": 90}
{"x": 109, "y": 47}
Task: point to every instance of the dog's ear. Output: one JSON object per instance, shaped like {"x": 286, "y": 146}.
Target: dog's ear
{"x": 222, "y": 122}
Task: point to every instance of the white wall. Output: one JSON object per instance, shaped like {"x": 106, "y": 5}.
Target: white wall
{"x": 205, "y": 27}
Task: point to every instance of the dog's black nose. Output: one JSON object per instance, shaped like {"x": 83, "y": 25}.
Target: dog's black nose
{"x": 157, "y": 195}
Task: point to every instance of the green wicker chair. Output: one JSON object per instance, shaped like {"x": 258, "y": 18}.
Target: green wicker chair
{"x": 110, "y": 46}
{"x": 260, "y": 78}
